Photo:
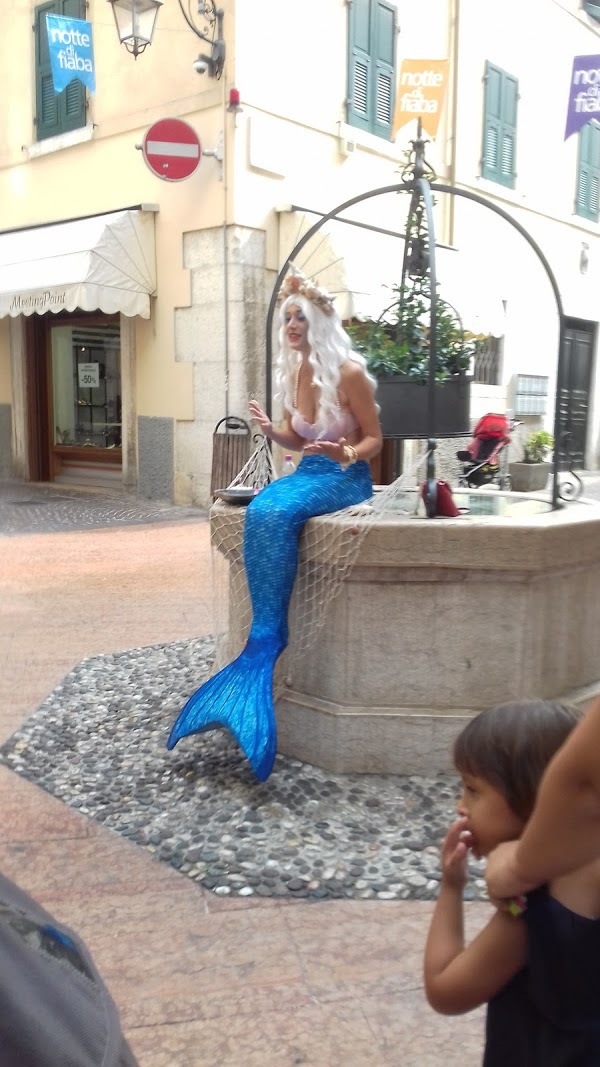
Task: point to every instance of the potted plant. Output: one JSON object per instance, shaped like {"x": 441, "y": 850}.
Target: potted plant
{"x": 396, "y": 348}
{"x": 531, "y": 474}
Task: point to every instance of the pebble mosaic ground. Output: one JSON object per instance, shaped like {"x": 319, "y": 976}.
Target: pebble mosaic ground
{"x": 98, "y": 744}
{"x": 48, "y": 509}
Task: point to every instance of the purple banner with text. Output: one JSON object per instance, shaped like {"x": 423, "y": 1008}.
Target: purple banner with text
{"x": 584, "y": 94}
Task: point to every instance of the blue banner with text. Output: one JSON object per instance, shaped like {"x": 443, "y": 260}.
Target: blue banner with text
{"x": 71, "y": 52}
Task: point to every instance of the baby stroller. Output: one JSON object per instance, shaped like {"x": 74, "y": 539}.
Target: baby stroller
{"x": 485, "y": 460}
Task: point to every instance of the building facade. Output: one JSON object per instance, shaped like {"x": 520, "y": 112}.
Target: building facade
{"x": 512, "y": 76}
{"x": 133, "y": 310}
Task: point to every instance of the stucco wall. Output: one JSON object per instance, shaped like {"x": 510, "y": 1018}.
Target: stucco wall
{"x": 292, "y": 145}
{"x": 105, "y": 172}
{"x": 544, "y": 195}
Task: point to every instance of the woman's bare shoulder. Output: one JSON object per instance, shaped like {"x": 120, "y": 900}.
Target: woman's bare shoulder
{"x": 351, "y": 372}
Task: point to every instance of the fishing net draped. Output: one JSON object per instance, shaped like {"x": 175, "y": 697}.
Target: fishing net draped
{"x": 328, "y": 552}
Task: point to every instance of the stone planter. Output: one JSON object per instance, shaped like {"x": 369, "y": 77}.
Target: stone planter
{"x": 529, "y": 477}
{"x": 404, "y": 407}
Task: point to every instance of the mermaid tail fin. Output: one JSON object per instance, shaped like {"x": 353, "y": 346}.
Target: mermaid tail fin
{"x": 239, "y": 698}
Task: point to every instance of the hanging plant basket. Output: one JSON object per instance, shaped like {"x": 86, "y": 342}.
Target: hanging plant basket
{"x": 397, "y": 346}
{"x": 404, "y": 406}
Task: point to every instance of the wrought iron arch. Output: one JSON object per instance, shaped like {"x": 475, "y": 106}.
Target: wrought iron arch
{"x": 421, "y": 189}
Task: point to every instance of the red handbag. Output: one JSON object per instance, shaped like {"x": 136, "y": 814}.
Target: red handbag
{"x": 445, "y": 507}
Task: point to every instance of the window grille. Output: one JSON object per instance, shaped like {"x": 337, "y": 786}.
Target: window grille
{"x": 487, "y": 363}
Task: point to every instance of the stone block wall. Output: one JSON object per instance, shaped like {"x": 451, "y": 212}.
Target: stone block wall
{"x": 222, "y": 334}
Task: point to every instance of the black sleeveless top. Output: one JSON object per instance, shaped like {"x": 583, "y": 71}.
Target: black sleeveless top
{"x": 548, "y": 1015}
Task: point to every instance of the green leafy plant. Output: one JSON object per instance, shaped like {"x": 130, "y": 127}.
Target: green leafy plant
{"x": 537, "y": 446}
{"x": 397, "y": 343}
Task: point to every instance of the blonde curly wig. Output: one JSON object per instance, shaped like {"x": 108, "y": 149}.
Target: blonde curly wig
{"x": 330, "y": 347}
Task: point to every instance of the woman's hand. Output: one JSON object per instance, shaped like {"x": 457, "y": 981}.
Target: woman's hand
{"x": 454, "y": 854}
{"x": 261, "y": 417}
{"x": 335, "y": 450}
{"x": 501, "y": 876}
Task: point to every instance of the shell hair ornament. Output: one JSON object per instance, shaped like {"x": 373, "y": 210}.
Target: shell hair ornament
{"x": 296, "y": 283}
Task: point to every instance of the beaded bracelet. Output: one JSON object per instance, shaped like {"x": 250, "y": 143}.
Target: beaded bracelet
{"x": 516, "y": 906}
{"x": 350, "y": 454}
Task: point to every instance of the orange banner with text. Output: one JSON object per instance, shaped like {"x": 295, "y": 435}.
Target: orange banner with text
{"x": 421, "y": 92}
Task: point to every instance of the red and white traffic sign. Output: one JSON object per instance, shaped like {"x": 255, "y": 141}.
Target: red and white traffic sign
{"x": 172, "y": 149}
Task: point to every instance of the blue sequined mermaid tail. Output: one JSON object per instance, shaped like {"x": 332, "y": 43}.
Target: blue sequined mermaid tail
{"x": 240, "y": 697}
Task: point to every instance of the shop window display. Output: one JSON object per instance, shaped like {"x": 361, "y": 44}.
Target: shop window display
{"x": 86, "y": 386}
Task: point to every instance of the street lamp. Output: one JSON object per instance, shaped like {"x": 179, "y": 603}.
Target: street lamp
{"x": 135, "y": 21}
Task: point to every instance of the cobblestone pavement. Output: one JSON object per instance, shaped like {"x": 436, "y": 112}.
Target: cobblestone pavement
{"x": 27, "y": 508}
{"x": 201, "y": 979}
{"x": 98, "y": 743}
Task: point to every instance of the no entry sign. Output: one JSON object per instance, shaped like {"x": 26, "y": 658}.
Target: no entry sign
{"x": 172, "y": 149}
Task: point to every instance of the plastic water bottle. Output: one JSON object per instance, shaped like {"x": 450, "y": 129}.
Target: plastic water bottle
{"x": 288, "y": 465}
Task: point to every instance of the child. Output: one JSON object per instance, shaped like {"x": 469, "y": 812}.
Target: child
{"x": 539, "y": 972}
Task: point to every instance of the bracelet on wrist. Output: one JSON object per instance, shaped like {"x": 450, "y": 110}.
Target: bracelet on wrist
{"x": 350, "y": 454}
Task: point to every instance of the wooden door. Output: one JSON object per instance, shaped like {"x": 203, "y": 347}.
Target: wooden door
{"x": 574, "y": 397}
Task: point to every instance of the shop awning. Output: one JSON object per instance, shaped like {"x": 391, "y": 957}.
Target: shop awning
{"x": 104, "y": 263}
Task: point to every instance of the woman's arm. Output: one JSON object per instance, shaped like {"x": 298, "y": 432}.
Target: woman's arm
{"x": 286, "y": 438}
{"x": 459, "y": 979}
{"x": 564, "y": 830}
{"x": 361, "y": 403}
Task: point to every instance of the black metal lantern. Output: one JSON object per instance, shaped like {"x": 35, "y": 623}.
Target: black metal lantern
{"x": 135, "y": 21}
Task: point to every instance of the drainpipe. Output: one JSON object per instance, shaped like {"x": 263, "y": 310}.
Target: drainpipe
{"x": 225, "y": 257}
{"x": 454, "y": 51}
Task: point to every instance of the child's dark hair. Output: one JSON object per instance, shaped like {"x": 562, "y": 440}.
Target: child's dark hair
{"x": 511, "y": 745}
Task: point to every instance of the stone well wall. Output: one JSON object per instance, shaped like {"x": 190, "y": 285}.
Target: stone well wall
{"x": 438, "y": 620}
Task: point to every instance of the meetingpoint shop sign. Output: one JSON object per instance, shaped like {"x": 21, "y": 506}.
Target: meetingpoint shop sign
{"x": 40, "y": 302}
{"x": 71, "y": 52}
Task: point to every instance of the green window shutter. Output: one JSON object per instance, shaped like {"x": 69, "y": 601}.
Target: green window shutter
{"x": 73, "y": 98}
{"x": 499, "y": 153}
{"x": 492, "y": 134}
{"x": 55, "y": 112}
{"x": 508, "y": 156}
{"x": 384, "y": 88}
{"x": 47, "y": 117}
{"x": 359, "y": 64}
{"x": 593, "y": 9}
{"x": 587, "y": 202}
{"x": 371, "y": 65}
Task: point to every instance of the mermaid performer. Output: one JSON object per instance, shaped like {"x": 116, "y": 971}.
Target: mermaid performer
{"x": 331, "y": 417}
